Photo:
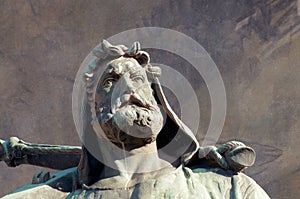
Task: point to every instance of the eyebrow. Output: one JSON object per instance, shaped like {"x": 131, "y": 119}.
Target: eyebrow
{"x": 109, "y": 74}
{"x": 135, "y": 72}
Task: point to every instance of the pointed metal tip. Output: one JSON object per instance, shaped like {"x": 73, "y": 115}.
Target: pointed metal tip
{"x": 2, "y": 141}
{"x": 2, "y": 150}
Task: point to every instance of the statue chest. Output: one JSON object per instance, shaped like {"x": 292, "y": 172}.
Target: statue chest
{"x": 183, "y": 183}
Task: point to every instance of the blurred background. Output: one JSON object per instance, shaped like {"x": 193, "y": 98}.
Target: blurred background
{"x": 254, "y": 43}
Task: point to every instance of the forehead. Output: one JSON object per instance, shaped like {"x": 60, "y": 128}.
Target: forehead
{"x": 122, "y": 65}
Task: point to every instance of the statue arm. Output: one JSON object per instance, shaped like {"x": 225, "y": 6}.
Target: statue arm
{"x": 15, "y": 152}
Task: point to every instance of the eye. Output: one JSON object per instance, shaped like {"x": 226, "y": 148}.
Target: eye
{"x": 139, "y": 79}
{"x": 109, "y": 81}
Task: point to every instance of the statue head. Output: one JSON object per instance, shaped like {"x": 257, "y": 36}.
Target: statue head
{"x": 126, "y": 107}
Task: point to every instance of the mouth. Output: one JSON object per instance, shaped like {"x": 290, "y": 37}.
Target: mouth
{"x": 137, "y": 101}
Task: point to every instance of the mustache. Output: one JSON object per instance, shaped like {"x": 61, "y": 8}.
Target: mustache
{"x": 132, "y": 99}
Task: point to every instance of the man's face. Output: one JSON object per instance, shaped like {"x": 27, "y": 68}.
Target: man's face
{"x": 126, "y": 106}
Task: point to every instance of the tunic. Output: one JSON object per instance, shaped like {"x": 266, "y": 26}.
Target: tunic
{"x": 185, "y": 183}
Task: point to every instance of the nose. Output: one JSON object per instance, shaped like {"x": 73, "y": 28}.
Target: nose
{"x": 127, "y": 86}
{"x": 124, "y": 86}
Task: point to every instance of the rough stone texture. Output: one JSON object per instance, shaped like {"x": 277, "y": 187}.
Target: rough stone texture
{"x": 255, "y": 45}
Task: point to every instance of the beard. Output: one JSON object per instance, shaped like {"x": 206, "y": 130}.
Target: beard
{"x": 135, "y": 123}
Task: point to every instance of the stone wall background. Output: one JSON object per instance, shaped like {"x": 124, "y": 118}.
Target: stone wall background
{"x": 255, "y": 44}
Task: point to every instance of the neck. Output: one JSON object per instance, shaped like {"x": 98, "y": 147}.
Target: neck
{"x": 135, "y": 166}
{"x": 145, "y": 149}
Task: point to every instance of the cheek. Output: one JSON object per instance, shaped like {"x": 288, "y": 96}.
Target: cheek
{"x": 148, "y": 93}
{"x": 102, "y": 106}
{"x": 145, "y": 90}
{"x": 103, "y": 96}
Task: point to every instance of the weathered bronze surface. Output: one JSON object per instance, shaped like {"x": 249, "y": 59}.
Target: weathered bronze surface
{"x": 255, "y": 45}
{"x": 132, "y": 162}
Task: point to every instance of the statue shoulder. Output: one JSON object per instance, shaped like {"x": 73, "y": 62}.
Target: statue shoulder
{"x": 55, "y": 185}
{"x": 235, "y": 184}
{"x": 247, "y": 187}
{"x": 41, "y": 191}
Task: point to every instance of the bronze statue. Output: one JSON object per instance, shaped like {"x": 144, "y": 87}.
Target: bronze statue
{"x": 134, "y": 145}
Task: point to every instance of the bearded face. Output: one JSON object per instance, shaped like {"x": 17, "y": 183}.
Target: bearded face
{"x": 126, "y": 108}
